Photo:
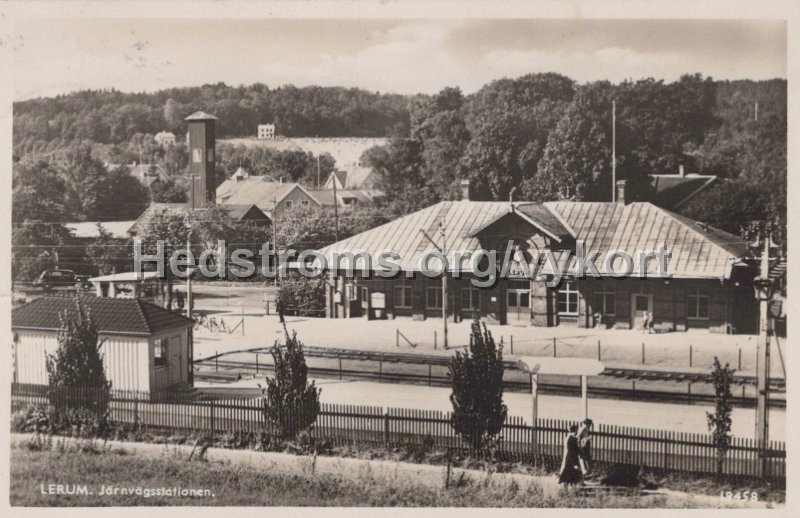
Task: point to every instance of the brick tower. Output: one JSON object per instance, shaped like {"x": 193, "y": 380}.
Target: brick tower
{"x": 203, "y": 186}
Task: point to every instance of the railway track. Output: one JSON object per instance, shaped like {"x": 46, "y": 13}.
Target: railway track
{"x": 217, "y": 368}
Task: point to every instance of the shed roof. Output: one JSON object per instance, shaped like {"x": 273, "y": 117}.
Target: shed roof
{"x": 114, "y": 316}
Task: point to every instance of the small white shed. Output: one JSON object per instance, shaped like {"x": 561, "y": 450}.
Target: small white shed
{"x": 145, "y": 348}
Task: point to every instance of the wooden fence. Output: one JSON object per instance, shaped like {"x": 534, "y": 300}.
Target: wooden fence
{"x": 657, "y": 450}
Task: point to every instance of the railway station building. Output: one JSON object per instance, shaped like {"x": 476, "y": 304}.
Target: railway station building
{"x": 707, "y": 282}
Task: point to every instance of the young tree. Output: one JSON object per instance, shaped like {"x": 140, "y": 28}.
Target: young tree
{"x": 77, "y": 362}
{"x": 291, "y": 403}
{"x": 719, "y": 423}
{"x": 476, "y": 377}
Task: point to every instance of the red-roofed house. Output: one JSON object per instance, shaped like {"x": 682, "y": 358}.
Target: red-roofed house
{"x": 145, "y": 347}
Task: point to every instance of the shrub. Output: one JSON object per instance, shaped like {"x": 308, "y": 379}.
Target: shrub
{"x": 476, "y": 377}
{"x": 302, "y": 296}
{"x": 291, "y": 403}
{"x": 33, "y": 418}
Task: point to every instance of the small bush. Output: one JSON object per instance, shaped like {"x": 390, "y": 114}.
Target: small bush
{"x": 31, "y": 419}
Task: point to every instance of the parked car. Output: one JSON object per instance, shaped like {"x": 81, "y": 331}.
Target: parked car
{"x": 57, "y": 278}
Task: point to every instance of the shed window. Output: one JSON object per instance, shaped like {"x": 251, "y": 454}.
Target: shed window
{"x": 160, "y": 352}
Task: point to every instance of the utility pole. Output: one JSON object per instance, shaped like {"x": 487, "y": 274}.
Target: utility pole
{"x": 335, "y": 212}
{"x": 275, "y": 239}
{"x": 444, "y": 277}
{"x": 763, "y": 286}
{"x": 189, "y": 276}
{"x": 318, "y": 172}
{"x": 756, "y": 111}
{"x": 444, "y": 286}
{"x": 614, "y": 151}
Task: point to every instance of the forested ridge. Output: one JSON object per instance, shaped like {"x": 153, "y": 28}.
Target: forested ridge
{"x": 536, "y": 137}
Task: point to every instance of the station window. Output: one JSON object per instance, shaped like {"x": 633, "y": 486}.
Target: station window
{"x": 470, "y": 298}
{"x": 433, "y": 299}
{"x": 403, "y": 294}
{"x": 697, "y": 303}
{"x": 568, "y": 299}
{"x": 605, "y": 303}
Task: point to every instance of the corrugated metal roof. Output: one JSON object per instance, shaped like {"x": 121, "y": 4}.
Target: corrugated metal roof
{"x": 634, "y": 228}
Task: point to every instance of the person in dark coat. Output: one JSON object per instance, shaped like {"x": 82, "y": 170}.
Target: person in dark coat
{"x": 585, "y": 445}
{"x": 570, "y": 473}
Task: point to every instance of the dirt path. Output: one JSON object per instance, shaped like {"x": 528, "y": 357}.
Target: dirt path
{"x": 390, "y": 470}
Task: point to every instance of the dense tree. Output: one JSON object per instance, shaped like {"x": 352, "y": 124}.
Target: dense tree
{"x": 36, "y": 247}
{"x": 438, "y": 124}
{"x": 109, "y": 254}
{"x": 169, "y": 191}
{"x": 286, "y": 165}
{"x": 476, "y": 377}
{"x": 510, "y": 121}
{"x": 37, "y": 192}
{"x": 577, "y": 158}
{"x": 399, "y": 169}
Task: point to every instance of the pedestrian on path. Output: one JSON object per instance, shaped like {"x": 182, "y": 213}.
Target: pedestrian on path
{"x": 585, "y": 445}
{"x": 570, "y": 473}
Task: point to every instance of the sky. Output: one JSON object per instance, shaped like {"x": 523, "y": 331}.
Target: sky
{"x": 56, "y": 56}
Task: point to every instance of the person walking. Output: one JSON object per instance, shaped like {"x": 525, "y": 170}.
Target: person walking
{"x": 585, "y": 445}
{"x": 570, "y": 473}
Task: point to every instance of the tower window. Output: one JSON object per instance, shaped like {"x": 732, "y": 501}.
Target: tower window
{"x": 197, "y": 156}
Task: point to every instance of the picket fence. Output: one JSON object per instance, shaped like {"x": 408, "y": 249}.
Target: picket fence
{"x": 657, "y": 450}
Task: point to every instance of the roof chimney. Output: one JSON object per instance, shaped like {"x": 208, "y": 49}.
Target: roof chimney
{"x": 621, "y": 192}
{"x": 465, "y": 192}
{"x": 681, "y": 171}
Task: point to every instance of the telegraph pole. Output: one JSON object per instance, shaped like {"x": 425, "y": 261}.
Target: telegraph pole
{"x": 444, "y": 276}
{"x": 614, "y": 151}
{"x": 762, "y": 356}
{"x": 275, "y": 239}
{"x": 335, "y": 211}
{"x": 318, "y": 172}
{"x": 189, "y": 276}
{"x": 444, "y": 286}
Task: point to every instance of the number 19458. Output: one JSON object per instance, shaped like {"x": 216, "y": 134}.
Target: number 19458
{"x": 751, "y": 496}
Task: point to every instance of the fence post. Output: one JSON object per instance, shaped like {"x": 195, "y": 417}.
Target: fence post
{"x": 256, "y": 363}
{"x": 386, "y": 426}
{"x": 554, "y": 347}
{"x": 135, "y": 411}
{"x": 340, "y": 367}
{"x": 434, "y": 340}
{"x": 691, "y": 351}
{"x": 512, "y": 344}
{"x": 689, "y": 394}
{"x": 430, "y": 378}
{"x": 397, "y": 338}
{"x": 211, "y": 414}
{"x": 380, "y": 371}
{"x": 740, "y": 359}
{"x": 216, "y": 361}
{"x": 598, "y": 350}
{"x": 642, "y": 353}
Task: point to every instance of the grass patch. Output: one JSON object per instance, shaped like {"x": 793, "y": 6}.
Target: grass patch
{"x": 236, "y": 485}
